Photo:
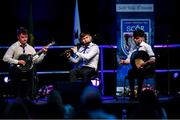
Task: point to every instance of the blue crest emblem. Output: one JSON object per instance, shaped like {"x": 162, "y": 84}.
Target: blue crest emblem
{"x": 127, "y": 42}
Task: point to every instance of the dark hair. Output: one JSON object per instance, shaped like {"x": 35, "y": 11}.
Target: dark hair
{"x": 84, "y": 34}
{"x": 22, "y": 30}
{"x": 139, "y": 33}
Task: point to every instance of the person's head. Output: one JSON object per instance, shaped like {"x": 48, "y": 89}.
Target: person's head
{"x": 85, "y": 38}
{"x": 91, "y": 98}
{"x": 139, "y": 36}
{"x": 22, "y": 35}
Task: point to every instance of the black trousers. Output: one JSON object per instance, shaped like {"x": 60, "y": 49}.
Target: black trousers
{"x": 22, "y": 82}
{"x": 140, "y": 75}
{"x": 84, "y": 72}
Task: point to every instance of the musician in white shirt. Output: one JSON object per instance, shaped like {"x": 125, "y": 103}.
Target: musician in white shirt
{"x": 16, "y": 49}
{"x": 11, "y": 57}
{"x": 85, "y": 57}
{"x": 139, "y": 71}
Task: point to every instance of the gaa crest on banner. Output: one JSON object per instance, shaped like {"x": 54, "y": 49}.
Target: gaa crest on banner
{"x": 127, "y": 28}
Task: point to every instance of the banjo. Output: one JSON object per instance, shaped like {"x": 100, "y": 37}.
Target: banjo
{"x": 28, "y": 58}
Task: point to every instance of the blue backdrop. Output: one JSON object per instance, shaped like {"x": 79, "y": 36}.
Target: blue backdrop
{"x": 131, "y": 16}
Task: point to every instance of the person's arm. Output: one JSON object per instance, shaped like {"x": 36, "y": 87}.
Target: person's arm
{"x": 127, "y": 60}
{"x": 74, "y": 60}
{"x": 8, "y": 56}
{"x": 93, "y": 51}
{"x": 39, "y": 58}
{"x": 151, "y": 54}
{"x": 70, "y": 57}
{"x": 148, "y": 62}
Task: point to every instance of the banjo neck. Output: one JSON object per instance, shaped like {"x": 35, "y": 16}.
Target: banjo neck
{"x": 40, "y": 51}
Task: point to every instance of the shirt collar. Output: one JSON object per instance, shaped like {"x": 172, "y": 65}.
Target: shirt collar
{"x": 141, "y": 44}
{"x": 90, "y": 44}
{"x": 19, "y": 44}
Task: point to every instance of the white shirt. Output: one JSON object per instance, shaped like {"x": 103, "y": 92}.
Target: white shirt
{"x": 144, "y": 47}
{"x": 89, "y": 58}
{"x": 15, "y": 50}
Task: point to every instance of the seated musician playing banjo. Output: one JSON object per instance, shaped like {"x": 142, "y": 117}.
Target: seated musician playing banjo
{"x": 142, "y": 60}
{"x": 21, "y": 63}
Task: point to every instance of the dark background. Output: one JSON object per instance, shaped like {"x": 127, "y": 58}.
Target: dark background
{"x": 53, "y": 20}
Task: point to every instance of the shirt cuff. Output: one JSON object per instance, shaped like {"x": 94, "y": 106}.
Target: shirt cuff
{"x": 77, "y": 53}
{"x": 16, "y": 61}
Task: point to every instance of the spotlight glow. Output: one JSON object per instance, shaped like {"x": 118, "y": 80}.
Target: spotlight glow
{"x": 176, "y": 74}
{"x": 6, "y": 79}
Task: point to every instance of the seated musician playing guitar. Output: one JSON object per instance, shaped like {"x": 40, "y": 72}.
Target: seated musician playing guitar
{"x": 142, "y": 59}
{"x": 22, "y": 80}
